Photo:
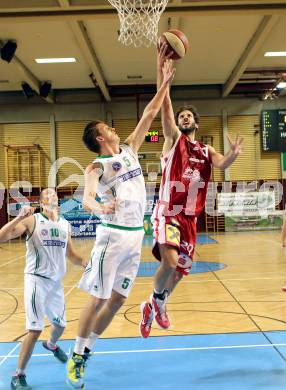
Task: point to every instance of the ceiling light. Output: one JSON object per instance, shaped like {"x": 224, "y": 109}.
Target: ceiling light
{"x": 275, "y": 54}
{"x": 54, "y": 60}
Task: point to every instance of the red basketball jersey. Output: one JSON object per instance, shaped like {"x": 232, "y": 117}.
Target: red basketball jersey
{"x": 186, "y": 171}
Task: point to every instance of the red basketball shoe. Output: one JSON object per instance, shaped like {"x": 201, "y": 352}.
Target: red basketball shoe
{"x": 160, "y": 311}
{"x": 147, "y": 319}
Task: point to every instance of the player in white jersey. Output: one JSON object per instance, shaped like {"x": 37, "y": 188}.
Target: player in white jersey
{"x": 115, "y": 176}
{"x": 47, "y": 245}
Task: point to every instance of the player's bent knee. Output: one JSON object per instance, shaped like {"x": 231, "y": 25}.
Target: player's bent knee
{"x": 169, "y": 257}
{"x": 169, "y": 267}
{"x": 34, "y": 334}
{"x": 116, "y": 300}
{"x": 169, "y": 263}
{"x": 95, "y": 303}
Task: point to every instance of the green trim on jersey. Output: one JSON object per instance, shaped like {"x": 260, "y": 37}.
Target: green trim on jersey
{"x": 101, "y": 263}
{"x": 121, "y": 227}
{"x": 46, "y": 217}
{"x": 88, "y": 269}
{"x": 113, "y": 190}
{"x": 38, "y": 259}
{"x": 104, "y": 156}
{"x": 34, "y": 301}
{"x": 40, "y": 276}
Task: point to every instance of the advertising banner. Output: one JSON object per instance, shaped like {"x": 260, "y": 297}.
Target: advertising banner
{"x": 245, "y": 211}
{"x": 82, "y": 223}
{"x": 241, "y": 203}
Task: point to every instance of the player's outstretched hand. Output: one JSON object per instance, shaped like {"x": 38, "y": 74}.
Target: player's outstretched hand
{"x": 108, "y": 208}
{"x": 236, "y": 147}
{"x": 25, "y": 212}
{"x": 168, "y": 71}
{"x": 162, "y": 48}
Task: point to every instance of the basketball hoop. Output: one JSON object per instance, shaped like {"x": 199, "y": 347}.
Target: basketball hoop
{"x": 139, "y": 20}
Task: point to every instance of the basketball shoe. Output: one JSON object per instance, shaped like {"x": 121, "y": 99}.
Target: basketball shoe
{"x": 18, "y": 382}
{"x": 57, "y": 351}
{"x": 160, "y": 311}
{"x": 75, "y": 372}
{"x": 147, "y": 319}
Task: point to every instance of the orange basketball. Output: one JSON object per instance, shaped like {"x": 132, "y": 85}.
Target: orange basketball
{"x": 177, "y": 43}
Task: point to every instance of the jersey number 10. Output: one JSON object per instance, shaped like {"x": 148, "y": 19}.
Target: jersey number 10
{"x": 55, "y": 232}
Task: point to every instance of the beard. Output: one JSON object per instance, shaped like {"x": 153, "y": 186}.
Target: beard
{"x": 188, "y": 130}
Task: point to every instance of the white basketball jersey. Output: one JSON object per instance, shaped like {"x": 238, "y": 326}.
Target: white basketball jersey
{"x": 46, "y": 248}
{"x": 122, "y": 180}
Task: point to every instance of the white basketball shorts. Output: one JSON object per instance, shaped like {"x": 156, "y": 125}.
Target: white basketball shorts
{"x": 114, "y": 262}
{"x": 43, "y": 297}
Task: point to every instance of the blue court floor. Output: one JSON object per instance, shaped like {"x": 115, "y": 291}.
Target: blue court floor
{"x": 241, "y": 361}
{"x": 148, "y": 268}
{"x": 202, "y": 239}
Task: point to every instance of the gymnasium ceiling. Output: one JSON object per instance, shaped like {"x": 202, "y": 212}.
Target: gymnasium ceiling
{"x": 228, "y": 40}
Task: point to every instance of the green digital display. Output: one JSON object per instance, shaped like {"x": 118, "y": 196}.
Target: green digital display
{"x": 273, "y": 130}
{"x": 152, "y": 136}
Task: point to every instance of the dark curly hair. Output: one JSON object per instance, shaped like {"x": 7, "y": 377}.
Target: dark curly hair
{"x": 191, "y": 108}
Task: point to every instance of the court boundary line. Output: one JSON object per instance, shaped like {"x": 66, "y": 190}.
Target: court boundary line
{"x": 250, "y": 332}
{"x": 5, "y": 357}
{"x": 264, "y": 333}
{"x": 180, "y": 349}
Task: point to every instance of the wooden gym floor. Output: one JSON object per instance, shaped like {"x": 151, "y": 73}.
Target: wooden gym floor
{"x": 245, "y": 296}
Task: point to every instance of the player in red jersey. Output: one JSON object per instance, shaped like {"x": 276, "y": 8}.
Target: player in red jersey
{"x": 186, "y": 170}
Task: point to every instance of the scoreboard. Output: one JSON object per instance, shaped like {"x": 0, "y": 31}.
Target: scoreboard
{"x": 152, "y": 136}
{"x": 273, "y": 130}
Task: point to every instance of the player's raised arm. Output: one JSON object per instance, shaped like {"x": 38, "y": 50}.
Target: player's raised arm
{"x": 23, "y": 223}
{"x": 170, "y": 129}
{"x": 91, "y": 177}
{"x": 136, "y": 138}
{"x": 224, "y": 161}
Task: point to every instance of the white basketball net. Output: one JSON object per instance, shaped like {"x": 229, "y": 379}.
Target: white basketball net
{"x": 139, "y": 20}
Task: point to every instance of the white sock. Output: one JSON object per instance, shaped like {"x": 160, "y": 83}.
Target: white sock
{"x": 91, "y": 340}
{"x": 20, "y": 372}
{"x": 80, "y": 344}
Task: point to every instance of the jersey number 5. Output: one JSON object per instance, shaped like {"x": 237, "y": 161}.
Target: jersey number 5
{"x": 127, "y": 162}
{"x": 125, "y": 283}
